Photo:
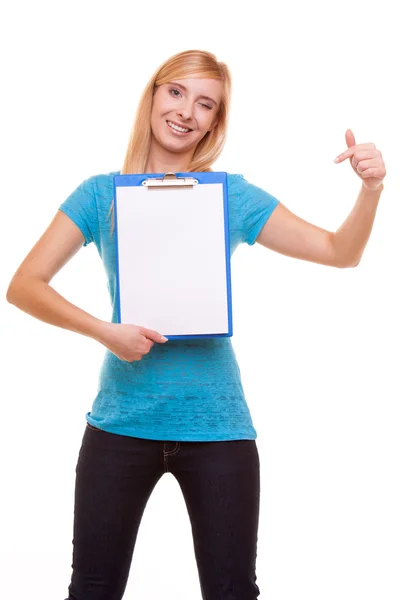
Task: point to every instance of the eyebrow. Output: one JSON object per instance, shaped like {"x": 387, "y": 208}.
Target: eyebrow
{"x": 185, "y": 89}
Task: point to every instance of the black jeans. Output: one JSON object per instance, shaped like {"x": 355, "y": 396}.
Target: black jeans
{"x": 115, "y": 476}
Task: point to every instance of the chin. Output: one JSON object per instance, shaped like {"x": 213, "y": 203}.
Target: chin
{"x": 171, "y": 147}
{"x": 176, "y": 145}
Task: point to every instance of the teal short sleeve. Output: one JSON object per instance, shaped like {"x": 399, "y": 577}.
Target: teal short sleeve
{"x": 257, "y": 205}
{"x": 80, "y": 207}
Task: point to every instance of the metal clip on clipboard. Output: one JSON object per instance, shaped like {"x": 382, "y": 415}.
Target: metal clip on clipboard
{"x": 170, "y": 180}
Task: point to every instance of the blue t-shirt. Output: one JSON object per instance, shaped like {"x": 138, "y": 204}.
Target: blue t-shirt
{"x": 182, "y": 390}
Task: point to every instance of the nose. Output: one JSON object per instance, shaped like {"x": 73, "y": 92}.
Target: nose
{"x": 185, "y": 111}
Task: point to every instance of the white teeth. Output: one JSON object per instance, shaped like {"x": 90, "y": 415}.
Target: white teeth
{"x": 177, "y": 128}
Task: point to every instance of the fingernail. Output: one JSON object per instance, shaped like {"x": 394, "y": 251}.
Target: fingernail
{"x": 164, "y": 339}
{"x": 336, "y": 159}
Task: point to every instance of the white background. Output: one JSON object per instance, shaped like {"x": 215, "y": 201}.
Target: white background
{"x": 318, "y": 347}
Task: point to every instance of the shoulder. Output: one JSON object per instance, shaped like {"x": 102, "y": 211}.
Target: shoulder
{"x": 236, "y": 182}
{"x": 246, "y": 189}
{"x": 100, "y": 183}
{"x": 239, "y": 185}
{"x": 103, "y": 178}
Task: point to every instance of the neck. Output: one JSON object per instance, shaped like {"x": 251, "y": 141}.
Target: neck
{"x": 161, "y": 160}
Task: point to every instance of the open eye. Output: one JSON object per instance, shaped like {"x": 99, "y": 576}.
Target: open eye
{"x": 174, "y": 90}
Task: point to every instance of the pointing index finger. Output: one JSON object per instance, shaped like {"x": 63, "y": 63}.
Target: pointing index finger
{"x": 349, "y": 152}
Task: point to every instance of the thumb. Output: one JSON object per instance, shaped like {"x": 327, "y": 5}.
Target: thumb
{"x": 350, "y": 139}
{"x": 153, "y": 335}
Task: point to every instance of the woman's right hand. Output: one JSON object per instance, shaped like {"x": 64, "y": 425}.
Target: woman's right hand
{"x": 129, "y": 342}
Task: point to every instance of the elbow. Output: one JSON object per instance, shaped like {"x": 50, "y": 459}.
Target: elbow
{"x": 354, "y": 263}
{"x": 348, "y": 264}
{"x": 340, "y": 259}
{"x": 12, "y": 290}
{"x": 9, "y": 294}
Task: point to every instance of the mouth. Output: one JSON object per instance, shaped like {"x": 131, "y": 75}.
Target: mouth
{"x": 177, "y": 129}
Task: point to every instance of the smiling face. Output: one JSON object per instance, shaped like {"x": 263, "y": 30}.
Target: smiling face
{"x": 183, "y": 112}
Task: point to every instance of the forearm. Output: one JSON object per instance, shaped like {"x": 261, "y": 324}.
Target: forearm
{"x": 352, "y": 236}
{"x": 37, "y": 298}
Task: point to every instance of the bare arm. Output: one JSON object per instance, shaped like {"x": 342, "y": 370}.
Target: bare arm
{"x": 30, "y": 291}
{"x": 352, "y": 236}
{"x": 29, "y": 288}
{"x": 288, "y": 234}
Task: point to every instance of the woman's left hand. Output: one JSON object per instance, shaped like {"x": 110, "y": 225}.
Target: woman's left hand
{"x": 366, "y": 162}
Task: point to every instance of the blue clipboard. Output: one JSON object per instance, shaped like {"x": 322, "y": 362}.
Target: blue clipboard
{"x": 173, "y": 253}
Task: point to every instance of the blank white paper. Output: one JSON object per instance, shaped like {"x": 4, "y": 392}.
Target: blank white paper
{"x": 172, "y": 259}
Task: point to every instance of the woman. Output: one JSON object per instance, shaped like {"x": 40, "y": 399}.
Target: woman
{"x": 179, "y": 406}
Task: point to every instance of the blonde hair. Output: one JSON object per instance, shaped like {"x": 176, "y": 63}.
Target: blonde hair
{"x": 183, "y": 65}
